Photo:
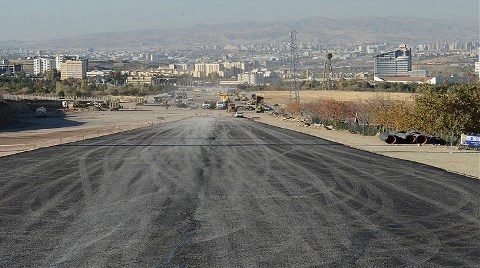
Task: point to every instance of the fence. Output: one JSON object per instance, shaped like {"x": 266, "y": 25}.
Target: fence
{"x": 6, "y": 96}
{"x": 364, "y": 129}
{"x": 372, "y": 130}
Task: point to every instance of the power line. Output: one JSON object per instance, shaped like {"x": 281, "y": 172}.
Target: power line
{"x": 294, "y": 91}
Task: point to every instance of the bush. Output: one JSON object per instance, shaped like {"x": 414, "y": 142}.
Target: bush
{"x": 449, "y": 108}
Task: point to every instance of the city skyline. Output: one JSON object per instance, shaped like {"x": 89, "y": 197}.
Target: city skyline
{"x": 48, "y": 19}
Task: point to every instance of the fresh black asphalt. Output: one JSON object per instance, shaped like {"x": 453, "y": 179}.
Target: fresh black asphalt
{"x": 230, "y": 192}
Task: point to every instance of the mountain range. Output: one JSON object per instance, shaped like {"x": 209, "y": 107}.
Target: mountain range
{"x": 326, "y": 30}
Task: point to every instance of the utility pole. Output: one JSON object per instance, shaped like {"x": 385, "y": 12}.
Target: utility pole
{"x": 294, "y": 91}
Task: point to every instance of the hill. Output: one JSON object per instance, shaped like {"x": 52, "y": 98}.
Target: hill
{"x": 327, "y": 30}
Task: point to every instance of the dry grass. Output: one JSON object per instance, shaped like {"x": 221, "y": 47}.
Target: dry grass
{"x": 283, "y": 97}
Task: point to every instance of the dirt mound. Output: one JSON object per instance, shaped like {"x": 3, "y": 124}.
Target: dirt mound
{"x": 7, "y": 115}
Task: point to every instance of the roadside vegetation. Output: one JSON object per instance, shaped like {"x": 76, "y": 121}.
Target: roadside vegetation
{"x": 444, "y": 110}
{"x": 343, "y": 85}
{"x": 50, "y": 83}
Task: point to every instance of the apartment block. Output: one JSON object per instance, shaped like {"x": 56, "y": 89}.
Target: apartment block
{"x": 59, "y": 59}
{"x": 9, "y": 68}
{"x": 41, "y": 65}
{"x": 74, "y": 69}
{"x": 225, "y": 69}
{"x": 205, "y": 69}
{"x": 253, "y": 78}
{"x": 233, "y": 69}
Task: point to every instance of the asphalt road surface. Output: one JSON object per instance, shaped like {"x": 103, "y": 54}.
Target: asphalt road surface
{"x": 229, "y": 192}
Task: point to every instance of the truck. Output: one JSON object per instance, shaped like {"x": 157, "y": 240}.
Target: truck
{"x": 258, "y": 103}
{"x": 221, "y": 105}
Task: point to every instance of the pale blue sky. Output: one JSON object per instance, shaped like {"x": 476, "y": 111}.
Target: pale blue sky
{"x": 50, "y": 19}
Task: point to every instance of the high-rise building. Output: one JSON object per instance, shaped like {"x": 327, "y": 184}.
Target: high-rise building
{"x": 74, "y": 69}
{"x": 41, "y": 65}
{"x": 394, "y": 63}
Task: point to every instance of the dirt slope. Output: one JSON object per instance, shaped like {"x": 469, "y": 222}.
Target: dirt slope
{"x": 7, "y": 115}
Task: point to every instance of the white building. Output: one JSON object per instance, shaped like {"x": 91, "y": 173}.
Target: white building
{"x": 205, "y": 69}
{"x": 477, "y": 65}
{"x": 252, "y": 78}
{"x": 41, "y": 65}
{"x": 59, "y": 59}
{"x": 224, "y": 70}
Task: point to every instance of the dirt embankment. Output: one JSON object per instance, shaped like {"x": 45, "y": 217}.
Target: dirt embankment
{"x": 7, "y": 115}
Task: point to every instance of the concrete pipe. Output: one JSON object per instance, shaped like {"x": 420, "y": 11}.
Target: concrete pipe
{"x": 407, "y": 137}
{"x": 388, "y": 137}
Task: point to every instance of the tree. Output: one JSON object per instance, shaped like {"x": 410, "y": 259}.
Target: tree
{"x": 449, "y": 108}
{"x": 213, "y": 75}
{"x": 52, "y": 75}
{"x": 392, "y": 114}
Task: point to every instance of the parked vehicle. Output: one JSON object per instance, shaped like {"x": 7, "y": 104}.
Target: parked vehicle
{"x": 238, "y": 114}
{"x": 221, "y": 105}
{"x": 207, "y": 105}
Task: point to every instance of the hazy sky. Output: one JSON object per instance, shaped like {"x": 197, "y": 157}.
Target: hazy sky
{"x": 50, "y": 19}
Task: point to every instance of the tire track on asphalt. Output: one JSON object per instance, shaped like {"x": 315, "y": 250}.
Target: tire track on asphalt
{"x": 413, "y": 224}
{"x": 228, "y": 192}
{"x": 435, "y": 238}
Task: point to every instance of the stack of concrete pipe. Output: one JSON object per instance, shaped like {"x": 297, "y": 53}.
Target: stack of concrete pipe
{"x": 402, "y": 137}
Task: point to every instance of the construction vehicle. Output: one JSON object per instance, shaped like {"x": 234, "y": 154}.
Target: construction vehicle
{"x": 114, "y": 105}
{"x": 231, "y": 107}
{"x": 243, "y": 97}
{"x": 258, "y": 103}
{"x": 224, "y": 96}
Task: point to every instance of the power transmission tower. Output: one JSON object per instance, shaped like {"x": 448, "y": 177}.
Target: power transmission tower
{"x": 294, "y": 91}
{"x": 327, "y": 72}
